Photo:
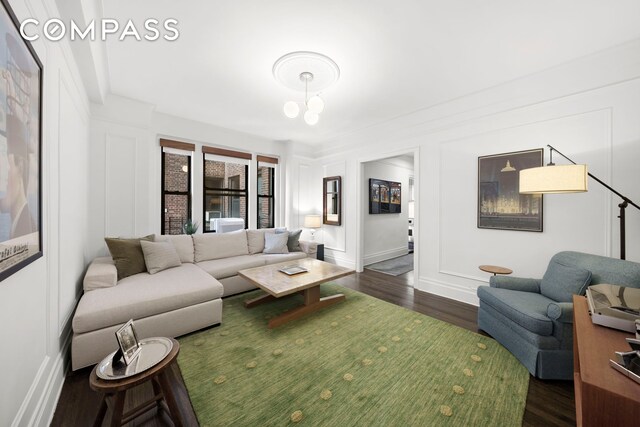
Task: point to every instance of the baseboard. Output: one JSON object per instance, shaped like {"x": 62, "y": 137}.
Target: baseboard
{"x": 385, "y": 255}
{"x": 343, "y": 262}
{"x": 39, "y": 405}
{"x": 448, "y": 290}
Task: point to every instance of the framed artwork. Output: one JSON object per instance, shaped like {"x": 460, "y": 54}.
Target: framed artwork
{"x": 384, "y": 196}
{"x": 500, "y": 204}
{"x": 128, "y": 342}
{"x": 20, "y": 148}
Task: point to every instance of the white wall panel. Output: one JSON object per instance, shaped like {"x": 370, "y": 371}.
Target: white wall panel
{"x": 73, "y": 217}
{"x": 120, "y": 186}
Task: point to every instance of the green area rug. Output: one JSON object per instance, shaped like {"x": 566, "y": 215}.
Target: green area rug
{"x": 362, "y": 362}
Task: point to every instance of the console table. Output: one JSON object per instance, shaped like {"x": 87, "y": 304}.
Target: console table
{"x": 603, "y": 395}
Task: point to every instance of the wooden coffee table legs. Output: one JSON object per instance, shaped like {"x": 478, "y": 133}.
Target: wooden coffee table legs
{"x": 312, "y": 302}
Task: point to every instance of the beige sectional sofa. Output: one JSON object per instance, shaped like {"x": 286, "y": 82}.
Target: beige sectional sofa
{"x": 174, "y": 301}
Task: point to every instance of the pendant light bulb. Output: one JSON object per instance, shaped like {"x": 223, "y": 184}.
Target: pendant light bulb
{"x": 311, "y": 118}
{"x": 291, "y": 109}
{"x": 315, "y": 104}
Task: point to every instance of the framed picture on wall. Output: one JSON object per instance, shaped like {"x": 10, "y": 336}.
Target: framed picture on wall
{"x": 384, "y": 196}
{"x": 20, "y": 148}
{"x": 500, "y": 204}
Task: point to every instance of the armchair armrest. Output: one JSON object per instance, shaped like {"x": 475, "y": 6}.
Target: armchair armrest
{"x": 101, "y": 273}
{"x": 515, "y": 283}
{"x": 309, "y": 248}
{"x": 561, "y": 311}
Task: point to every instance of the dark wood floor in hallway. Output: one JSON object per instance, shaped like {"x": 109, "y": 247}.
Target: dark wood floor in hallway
{"x": 549, "y": 403}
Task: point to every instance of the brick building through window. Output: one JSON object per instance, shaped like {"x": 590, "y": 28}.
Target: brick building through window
{"x": 176, "y": 189}
{"x": 225, "y": 189}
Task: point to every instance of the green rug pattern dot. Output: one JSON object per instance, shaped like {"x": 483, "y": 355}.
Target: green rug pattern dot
{"x": 361, "y": 362}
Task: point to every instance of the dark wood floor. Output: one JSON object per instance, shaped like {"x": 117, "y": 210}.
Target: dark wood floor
{"x": 549, "y": 403}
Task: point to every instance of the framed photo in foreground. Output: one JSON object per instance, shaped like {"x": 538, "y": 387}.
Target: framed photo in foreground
{"x": 20, "y": 148}
{"x": 500, "y": 204}
{"x": 128, "y": 342}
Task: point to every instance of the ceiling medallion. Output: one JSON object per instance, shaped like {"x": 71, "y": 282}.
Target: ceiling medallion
{"x": 307, "y": 72}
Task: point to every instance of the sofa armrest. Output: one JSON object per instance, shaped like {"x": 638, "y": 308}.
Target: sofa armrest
{"x": 309, "y": 248}
{"x": 101, "y": 273}
{"x": 515, "y": 283}
{"x": 561, "y": 311}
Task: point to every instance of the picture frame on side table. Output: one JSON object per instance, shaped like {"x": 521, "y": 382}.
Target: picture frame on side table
{"x": 500, "y": 204}
{"x": 128, "y": 342}
{"x": 20, "y": 148}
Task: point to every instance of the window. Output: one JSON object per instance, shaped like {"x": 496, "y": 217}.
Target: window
{"x": 225, "y": 186}
{"x": 266, "y": 186}
{"x": 176, "y": 185}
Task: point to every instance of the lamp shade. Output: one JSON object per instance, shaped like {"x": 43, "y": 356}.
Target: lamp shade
{"x": 312, "y": 221}
{"x": 315, "y": 104}
{"x": 554, "y": 179}
{"x": 311, "y": 118}
{"x": 291, "y": 109}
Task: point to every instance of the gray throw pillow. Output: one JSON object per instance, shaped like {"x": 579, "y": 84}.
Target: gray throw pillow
{"x": 293, "y": 244}
{"x": 127, "y": 255}
{"x": 159, "y": 256}
{"x": 561, "y": 281}
{"x": 276, "y": 243}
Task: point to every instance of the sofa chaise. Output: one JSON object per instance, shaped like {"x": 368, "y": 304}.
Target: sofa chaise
{"x": 174, "y": 301}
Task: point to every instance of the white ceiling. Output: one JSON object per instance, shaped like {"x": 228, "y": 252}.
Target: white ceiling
{"x": 395, "y": 57}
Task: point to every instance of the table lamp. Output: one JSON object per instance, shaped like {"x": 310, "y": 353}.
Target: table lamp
{"x": 312, "y": 222}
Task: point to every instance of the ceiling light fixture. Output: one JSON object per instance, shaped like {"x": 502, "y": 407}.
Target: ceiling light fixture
{"x": 310, "y": 72}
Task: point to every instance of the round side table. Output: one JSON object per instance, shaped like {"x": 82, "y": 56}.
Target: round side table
{"x": 495, "y": 269}
{"x": 115, "y": 391}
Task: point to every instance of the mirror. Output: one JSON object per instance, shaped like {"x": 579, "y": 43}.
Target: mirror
{"x": 332, "y": 200}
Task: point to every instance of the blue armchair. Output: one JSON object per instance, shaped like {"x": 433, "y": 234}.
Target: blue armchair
{"x": 533, "y": 318}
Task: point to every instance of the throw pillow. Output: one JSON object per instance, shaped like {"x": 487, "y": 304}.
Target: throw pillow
{"x": 276, "y": 243}
{"x": 127, "y": 255}
{"x": 561, "y": 281}
{"x": 293, "y": 244}
{"x": 159, "y": 256}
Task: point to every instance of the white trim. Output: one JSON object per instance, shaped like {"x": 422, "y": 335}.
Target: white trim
{"x": 227, "y": 159}
{"x": 177, "y": 151}
{"x": 448, "y": 290}
{"x": 385, "y": 255}
{"x": 343, "y": 262}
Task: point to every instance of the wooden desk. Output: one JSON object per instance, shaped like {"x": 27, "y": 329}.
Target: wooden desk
{"x": 604, "y": 397}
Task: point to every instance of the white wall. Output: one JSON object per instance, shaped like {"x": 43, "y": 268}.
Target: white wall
{"x": 385, "y": 236}
{"x": 126, "y": 167}
{"x": 588, "y": 109}
{"x": 36, "y": 303}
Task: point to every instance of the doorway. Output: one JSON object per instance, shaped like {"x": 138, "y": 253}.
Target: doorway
{"x": 387, "y": 230}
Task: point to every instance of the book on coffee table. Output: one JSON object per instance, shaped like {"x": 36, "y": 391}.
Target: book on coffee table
{"x": 293, "y": 269}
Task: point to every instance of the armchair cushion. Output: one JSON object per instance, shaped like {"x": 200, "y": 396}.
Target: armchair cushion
{"x": 561, "y": 311}
{"x": 527, "y": 309}
{"x": 515, "y": 283}
{"x": 561, "y": 281}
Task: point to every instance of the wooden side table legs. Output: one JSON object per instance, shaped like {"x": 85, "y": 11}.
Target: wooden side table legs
{"x": 165, "y": 384}
{"x": 163, "y": 398}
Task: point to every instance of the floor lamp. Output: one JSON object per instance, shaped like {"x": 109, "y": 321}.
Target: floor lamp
{"x": 569, "y": 179}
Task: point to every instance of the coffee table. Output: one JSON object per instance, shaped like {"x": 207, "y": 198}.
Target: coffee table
{"x": 277, "y": 284}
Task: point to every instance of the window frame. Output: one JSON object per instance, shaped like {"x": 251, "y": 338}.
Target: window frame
{"x": 271, "y": 195}
{"x": 239, "y": 192}
{"x": 164, "y": 192}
